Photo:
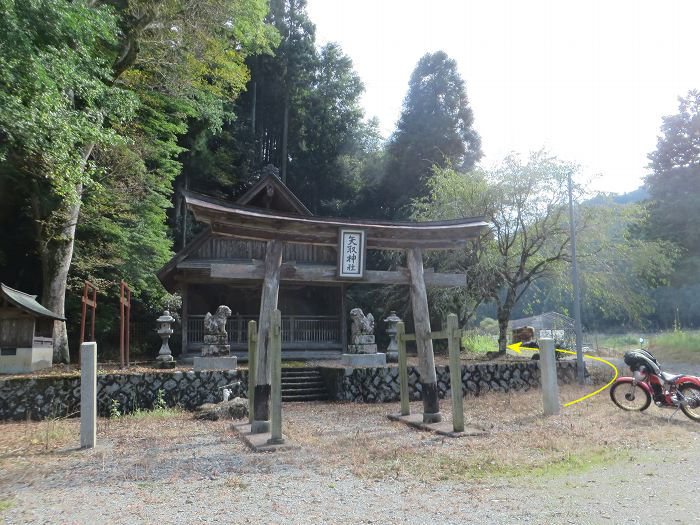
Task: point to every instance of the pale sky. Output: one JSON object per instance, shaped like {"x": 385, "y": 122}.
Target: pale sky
{"x": 588, "y": 80}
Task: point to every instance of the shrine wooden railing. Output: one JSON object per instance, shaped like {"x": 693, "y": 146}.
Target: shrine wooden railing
{"x": 311, "y": 329}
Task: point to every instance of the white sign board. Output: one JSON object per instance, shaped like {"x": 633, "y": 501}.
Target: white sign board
{"x": 351, "y": 254}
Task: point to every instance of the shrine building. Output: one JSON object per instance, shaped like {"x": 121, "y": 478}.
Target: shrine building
{"x": 235, "y": 261}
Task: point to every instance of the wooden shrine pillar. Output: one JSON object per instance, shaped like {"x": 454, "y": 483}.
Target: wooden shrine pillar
{"x": 343, "y": 318}
{"x": 184, "y": 318}
{"x": 268, "y": 304}
{"x": 421, "y": 320}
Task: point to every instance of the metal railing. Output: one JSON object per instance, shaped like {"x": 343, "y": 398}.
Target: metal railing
{"x": 295, "y": 329}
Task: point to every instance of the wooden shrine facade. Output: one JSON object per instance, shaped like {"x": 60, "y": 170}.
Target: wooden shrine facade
{"x": 269, "y": 239}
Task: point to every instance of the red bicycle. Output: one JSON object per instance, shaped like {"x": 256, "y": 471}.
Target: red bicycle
{"x": 649, "y": 382}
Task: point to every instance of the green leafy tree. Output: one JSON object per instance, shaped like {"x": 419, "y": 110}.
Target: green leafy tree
{"x": 332, "y": 118}
{"x": 526, "y": 204}
{"x": 619, "y": 270}
{"x": 73, "y": 74}
{"x": 57, "y": 97}
{"x": 435, "y": 129}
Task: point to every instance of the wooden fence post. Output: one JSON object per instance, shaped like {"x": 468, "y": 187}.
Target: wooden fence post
{"x": 403, "y": 368}
{"x": 276, "y": 376}
{"x": 252, "y": 341}
{"x": 453, "y": 336}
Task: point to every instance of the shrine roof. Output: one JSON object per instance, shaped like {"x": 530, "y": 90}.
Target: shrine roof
{"x": 278, "y": 195}
{"x": 235, "y": 220}
{"x": 27, "y": 303}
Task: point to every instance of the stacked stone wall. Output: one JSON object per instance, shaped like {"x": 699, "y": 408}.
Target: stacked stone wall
{"x": 376, "y": 385}
{"x": 50, "y": 397}
{"x": 53, "y": 397}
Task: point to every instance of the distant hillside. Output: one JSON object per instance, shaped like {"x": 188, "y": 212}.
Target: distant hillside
{"x": 640, "y": 194}
{"x": 637, "y": 195}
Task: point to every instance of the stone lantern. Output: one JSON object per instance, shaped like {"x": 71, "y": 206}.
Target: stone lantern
{"x": 392, "y": 352}
{"x": 165, "y": 358}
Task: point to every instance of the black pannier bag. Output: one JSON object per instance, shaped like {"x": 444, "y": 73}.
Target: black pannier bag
{"x": 636, "y": 359}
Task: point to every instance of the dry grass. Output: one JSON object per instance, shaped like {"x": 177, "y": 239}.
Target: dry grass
{"x": 519, "y": 442}
{"x": 347, "y": 438}
{"x": 132, "y": 447}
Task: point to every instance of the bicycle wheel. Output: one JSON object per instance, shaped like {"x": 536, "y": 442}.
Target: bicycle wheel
{"x": 692, "y": 395}
{"x": 629, "y": 396}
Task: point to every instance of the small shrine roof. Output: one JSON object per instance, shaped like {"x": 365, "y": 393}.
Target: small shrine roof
{"x": 27, "y": 303}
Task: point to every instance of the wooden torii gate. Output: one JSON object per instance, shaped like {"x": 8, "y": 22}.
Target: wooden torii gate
{"x": 277, "y": 228}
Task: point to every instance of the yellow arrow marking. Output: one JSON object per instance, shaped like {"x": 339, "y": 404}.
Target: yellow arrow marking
{"x": 516, "y": 347}
{"x": 600, "y": 389}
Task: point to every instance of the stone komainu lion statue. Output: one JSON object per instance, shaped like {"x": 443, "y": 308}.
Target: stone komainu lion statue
{"x": 216, "y": 324}
{"x": 361, "y": 324}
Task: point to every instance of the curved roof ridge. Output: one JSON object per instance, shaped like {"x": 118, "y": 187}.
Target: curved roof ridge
{"x": 27, "y": 302}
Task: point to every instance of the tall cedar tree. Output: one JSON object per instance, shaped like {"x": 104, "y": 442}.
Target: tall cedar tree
{"x": 332, "y": 119}
{"x": 226, "y": 162}
{"x": 325, "y": 135}
{"x": 435, "y": 129}
{"x": 674, "y": 184}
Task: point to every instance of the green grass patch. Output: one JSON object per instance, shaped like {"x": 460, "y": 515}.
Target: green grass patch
{"x": 619, "y": 341}
{"x": 681, "y": 346}
{"x": 294, "y": 364}
{"x": 470, "y": 468}
{"x": 5, "y": 505}
{"x": 156, "y": 413}
{"x": 479, "y": 344}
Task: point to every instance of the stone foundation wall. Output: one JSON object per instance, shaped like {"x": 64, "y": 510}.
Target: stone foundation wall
{"x": 50, "y": 397}
{"x": 376, "y": 385}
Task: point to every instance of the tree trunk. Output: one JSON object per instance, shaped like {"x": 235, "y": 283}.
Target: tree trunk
{"x": 502, "y": 333}
{"x": 285, "y": 131}
{"x": 504, "y": 311}
{"x": 56, "y": 252}
{"x": 421, "y": 320}
{"x": 56, "y": 237}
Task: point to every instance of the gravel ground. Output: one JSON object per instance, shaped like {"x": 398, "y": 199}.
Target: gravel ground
{"x": 352, "y": 467}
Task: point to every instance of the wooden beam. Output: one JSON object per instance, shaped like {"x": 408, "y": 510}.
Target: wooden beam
{"x": 329, "y": 238}
{"x": 424, "y": 344}
{"x": 325, "y": 274}
{"x": 268, "y": 304}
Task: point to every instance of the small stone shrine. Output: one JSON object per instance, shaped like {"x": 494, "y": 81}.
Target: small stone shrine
{"x": 215, "y": 348}
{"x": 363, "y": 349}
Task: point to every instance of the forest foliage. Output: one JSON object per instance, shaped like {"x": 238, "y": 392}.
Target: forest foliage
{"x": 108, "y": 110}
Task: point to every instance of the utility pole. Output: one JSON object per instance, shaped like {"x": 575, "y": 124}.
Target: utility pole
{"x": 580, "y": 375}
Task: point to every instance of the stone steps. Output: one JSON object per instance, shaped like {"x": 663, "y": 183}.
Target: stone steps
{"x": 303, "y": 384}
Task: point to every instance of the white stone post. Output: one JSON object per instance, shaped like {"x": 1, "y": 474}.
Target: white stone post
{"x": 548, "y": 377}
{"x": 88, "y": 394}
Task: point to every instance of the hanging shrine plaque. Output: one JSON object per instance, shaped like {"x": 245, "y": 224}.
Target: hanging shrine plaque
{"x": 351, "y": 254}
